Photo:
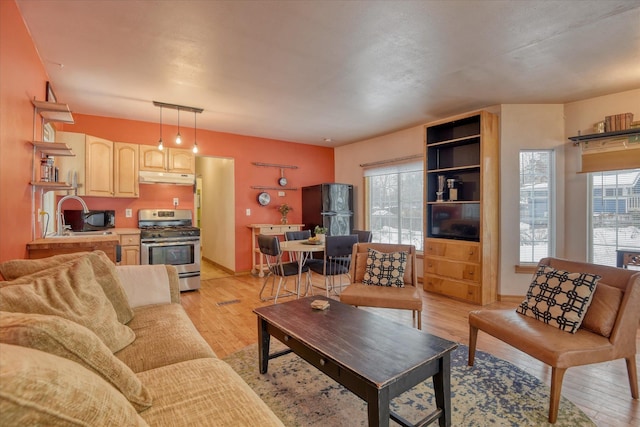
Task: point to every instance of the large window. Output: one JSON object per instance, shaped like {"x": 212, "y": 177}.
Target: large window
{"x": 615, "y": 214}
{"x": 394, "y": 203}
{"x": 536, "y": 205}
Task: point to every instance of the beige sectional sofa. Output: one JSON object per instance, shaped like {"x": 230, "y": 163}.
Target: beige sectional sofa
{"x": 83, "y": 342}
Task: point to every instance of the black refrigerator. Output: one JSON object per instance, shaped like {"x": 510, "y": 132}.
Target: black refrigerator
{"x": 329, "y": 205}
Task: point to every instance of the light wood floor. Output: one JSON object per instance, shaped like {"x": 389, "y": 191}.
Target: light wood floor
{"x": 222, "y": 312}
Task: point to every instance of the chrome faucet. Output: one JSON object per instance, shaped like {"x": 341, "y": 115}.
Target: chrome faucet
{"x": 60, "y": 219}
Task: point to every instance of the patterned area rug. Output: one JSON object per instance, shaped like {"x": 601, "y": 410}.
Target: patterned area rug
{"x": 491, "y": 393}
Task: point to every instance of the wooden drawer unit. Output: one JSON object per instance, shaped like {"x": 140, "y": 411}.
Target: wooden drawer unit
{"x": 453, "y": 269}
{"x": 462, "y": 251}
{"x": 130, "y": 248}
{"x": 458, "y": 289}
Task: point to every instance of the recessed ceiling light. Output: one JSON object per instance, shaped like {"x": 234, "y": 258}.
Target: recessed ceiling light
{"x": 327, "y": 140}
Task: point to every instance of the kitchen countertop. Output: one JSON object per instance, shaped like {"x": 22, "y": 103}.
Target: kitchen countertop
{"x": 57, "y": 241}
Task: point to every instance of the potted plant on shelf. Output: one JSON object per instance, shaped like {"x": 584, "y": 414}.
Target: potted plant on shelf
{"x": 320, "y": 232}
{"x": 284, "y": 210}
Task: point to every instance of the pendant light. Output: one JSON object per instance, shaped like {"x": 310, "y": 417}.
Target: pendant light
{"x": 178, "y": 137}
{"x": 194, "y": 110}
{"x": 195, "y": 127}
{"x": 160, "y": 145}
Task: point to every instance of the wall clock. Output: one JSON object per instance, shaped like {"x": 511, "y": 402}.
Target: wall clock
{"x": 264, "y": 198}
{"x": 282, "y": 181}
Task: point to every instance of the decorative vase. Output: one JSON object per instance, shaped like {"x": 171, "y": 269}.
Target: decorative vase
{"x": 321, "y": 237}
{"x": 283, "y": 220}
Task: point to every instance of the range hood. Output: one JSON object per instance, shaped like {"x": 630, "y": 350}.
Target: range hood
{"x": 147, "y": 177}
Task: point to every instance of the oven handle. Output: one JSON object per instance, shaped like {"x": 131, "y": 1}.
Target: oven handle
{"x": 189, "y": 274}
{"x": 170, "y": 243}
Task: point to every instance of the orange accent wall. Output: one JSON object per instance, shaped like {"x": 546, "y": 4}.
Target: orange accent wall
{"x": 22, "y": 78}
{"x": 315, "y": 165}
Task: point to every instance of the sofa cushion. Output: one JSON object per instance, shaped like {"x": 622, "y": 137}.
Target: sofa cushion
{"x": 153, "y": 284}
{"x": 385, "y": 269}
{"x": 103, "y": 269}
{"x": 559, "y": 298}
{"x": 203, "y": 392}
{"x": 70, "y": 291}
{"x": 603, "y": 311}
{"x": 41, "y": 389}
{"x": 164, "y": 335}
{"x": 64, "y": 338}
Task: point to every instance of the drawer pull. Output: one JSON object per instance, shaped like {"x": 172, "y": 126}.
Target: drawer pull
{"x": 322, "y": 362}
{"x": 286, "y": 338}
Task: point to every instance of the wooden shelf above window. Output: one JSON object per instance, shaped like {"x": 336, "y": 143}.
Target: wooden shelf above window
{"x": 604, "y": 135}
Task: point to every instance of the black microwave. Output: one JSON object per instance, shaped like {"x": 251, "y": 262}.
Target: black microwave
{"x": 89, "y": 221}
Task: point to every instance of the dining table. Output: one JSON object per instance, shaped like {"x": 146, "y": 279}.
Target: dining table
{"x": 302, "y": 250}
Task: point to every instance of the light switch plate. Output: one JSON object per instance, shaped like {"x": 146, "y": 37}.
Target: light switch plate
{"x": 248, "y": 212}
{"x": 176, "y": 201}
{"x": 281, "y": 193}
{"x": 128, "y": 213}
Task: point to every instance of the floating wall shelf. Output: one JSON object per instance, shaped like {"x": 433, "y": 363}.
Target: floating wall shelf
{"x": 260, "y": 187}
{"x": 273, "y": 165}
{"x": 605, "y": 135}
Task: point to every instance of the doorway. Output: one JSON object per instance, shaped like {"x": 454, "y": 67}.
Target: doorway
{"x": 214, "y": 209}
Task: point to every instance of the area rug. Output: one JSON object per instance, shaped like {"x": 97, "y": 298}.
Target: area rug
{"x": 491, "y": 393}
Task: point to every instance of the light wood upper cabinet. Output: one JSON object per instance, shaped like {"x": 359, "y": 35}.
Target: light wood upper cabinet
{"x": 152, "y": 159}
{"x": 178, "y": 160}
{"x": 181, "y": 160}
{"x": 125, "y": 179}
{"x": 99, "y": 167}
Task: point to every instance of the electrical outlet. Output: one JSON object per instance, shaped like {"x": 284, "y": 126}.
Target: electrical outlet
{"x": 176, "y": 202}
{"x": 280, "y": 193}
{"x": 248, "y": 212}
{"x": 128, "y": 213}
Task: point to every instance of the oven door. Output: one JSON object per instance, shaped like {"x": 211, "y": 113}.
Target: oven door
{"x": 183, "y": 254}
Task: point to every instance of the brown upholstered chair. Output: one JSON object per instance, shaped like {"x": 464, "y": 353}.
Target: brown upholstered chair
{"x": 359, "y": 294}
{"x": 614, "y": 309}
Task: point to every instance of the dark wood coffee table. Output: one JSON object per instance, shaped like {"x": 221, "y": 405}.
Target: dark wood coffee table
{"x": 375, "y": 358}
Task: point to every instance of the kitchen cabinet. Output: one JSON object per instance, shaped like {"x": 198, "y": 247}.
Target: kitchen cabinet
{"x": 177, "y": 160}
{"x": 98, "y": 167}
{"x": 129, "y": 247}
{"x": 125, "y": 170}
{"x": 461, "y": 219}
{"x": 101, "y": 167}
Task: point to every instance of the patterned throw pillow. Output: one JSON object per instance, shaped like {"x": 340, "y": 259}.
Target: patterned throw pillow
{"x": 385, "y": 269}
{"x": 559, "y": 298}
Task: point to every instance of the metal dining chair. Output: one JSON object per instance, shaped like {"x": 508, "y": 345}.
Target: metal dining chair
{"x": 337, "y": 260}
{"x": 364, "y": 236}
{"x": 270, "y": 248}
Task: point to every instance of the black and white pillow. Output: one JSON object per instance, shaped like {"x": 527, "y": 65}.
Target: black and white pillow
{"x": 559, "y": 298}
{"x": 385, "y": 269}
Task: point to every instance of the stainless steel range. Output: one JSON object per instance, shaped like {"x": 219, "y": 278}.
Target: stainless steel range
{"x": 167, "y": 236}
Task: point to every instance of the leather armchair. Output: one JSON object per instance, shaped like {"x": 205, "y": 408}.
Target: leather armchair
{"x": 614, "y": 309}
{"x": 359, "y": 294}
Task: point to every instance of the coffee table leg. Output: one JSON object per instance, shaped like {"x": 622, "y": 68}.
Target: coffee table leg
{"x": 263, "y": 346}
{"x": 442, "y": 388}
{"x": 378, "y": 407}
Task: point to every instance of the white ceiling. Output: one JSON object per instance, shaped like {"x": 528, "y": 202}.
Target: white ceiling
{"x": 303, "y": 71}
